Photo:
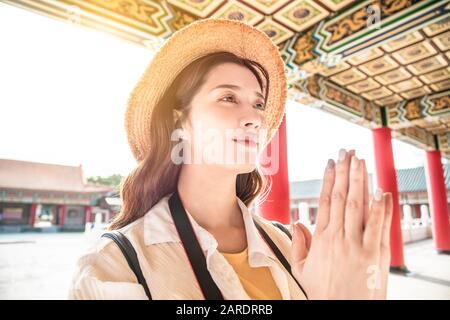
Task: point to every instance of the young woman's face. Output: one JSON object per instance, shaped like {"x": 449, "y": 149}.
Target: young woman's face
{"x": 226, "y": 123}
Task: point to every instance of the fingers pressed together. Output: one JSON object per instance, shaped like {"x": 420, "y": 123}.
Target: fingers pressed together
{"x": 344, "y": 204}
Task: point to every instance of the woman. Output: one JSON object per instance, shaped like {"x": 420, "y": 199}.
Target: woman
{"x": 186, "y": 228}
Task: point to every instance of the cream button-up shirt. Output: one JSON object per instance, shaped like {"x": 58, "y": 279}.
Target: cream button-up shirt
{"x": 103, "y": 273}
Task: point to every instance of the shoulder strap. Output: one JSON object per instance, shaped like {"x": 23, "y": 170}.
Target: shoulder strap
{"x": 277, "y": 251}
{"x": 193, "y": 249}
{"x": 130, "y": 254}
{"x": 282, "y": 228}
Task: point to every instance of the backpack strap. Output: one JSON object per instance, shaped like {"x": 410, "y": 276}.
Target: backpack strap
{"x": 277, "y": 251}
{"x": 130, "y": 255}
{"x": 282, "y": 228}
{"x": 193, "y": 249}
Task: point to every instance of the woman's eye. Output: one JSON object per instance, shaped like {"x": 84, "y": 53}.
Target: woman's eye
{"x": 261, "y": 106}
{"x": 227, "y": 97}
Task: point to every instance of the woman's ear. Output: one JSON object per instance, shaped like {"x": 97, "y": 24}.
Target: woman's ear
{"x": 176, "y": 114}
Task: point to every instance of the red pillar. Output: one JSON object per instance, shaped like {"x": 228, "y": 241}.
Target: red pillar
{"x": 296, "y": 213}
{"x": 33, "y": 214}
{"x": 437, "y": 198}
{"x": 88, "y": 214}
{"x": 387, "y": 180}
{"x": 276, "y": 206}
{"x": 62, "y": 213}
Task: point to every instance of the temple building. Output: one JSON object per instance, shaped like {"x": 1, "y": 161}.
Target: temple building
{"x": 47, "y": 197}
{"x": 416, "y": 222}
{"x": 383, "y": 65}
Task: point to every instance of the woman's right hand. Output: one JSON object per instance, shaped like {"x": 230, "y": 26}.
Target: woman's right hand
{"x": 348, "y": 256}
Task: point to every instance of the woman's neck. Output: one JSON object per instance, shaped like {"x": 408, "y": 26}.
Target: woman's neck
{"x": 208, "y": 193}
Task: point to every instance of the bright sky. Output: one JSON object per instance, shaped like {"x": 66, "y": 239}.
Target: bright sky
{"x": 64, "y": 90}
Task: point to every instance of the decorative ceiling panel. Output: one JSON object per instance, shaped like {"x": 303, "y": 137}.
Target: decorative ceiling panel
{"x": 393, "y": 76}
{"x": 335, "y": 69}
{"x": 405, "y": 85}
{"x": 439, "y": 26}
{"x": 348, "y": 76}
{"x": 435, "y": 76}
{"x": 353, "y": 30}
{"x": 395, "y": 98}
{"x": 377, "y": 93}
{"x": 301, "y": 14}
{"x": 419, "y": 92}
{"x": 443, "y": 41}
{"x": 235, "y": 10}
{"x": 378, "y": 66}
{"x": 439, "y": 86}
{"x": 364, "y": 85}
{"x": 336, "y": 5}
{"x": 149, "y": 16}
{"x": 337, "y": 57}
{"x": 414, "y": 53}
{"x": 428, "y": 65}
{"x": 266, "y": 7}
{"x": 402, "y": 41}
{"x": 366, "y": 56}
{"x": 276, "y": 31}
{"x": 201, "y": 9}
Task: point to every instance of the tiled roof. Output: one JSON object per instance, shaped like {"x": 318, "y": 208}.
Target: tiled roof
{"x": 15, "y": 174}
{"x": 413, "y": 179}
{"x": 310, "y": 189}
{"x": 305, "y": 189}
{"x": 409, "y": 180}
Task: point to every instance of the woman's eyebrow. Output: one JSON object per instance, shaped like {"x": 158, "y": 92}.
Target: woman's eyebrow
{"x": 232, "y": 86}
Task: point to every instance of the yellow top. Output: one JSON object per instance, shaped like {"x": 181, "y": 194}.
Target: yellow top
{"x": 257, "y": 282}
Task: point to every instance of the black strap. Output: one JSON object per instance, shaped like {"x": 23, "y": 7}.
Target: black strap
{"x": 282, "y": 228}
{"x": 130, "y": 254}
{"x": 193, "y": 249}
{"x": 278, "y": 253}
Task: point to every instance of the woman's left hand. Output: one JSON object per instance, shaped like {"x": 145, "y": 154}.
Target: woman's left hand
{"x": 348, "y": 256}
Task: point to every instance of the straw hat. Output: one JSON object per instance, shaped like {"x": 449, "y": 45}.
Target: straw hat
{"x": 198, "y": 39}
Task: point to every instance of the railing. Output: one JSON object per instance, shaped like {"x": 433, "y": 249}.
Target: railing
{"x": 415, "y": 230}
{"x": 412, "y": 230}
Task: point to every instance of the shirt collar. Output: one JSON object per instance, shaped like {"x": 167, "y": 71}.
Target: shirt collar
{"x": 160, "y": 228}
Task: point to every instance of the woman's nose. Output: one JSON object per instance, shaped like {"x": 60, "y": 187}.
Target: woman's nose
{"x": 251, "y": 123}
{"x": 252, "y": 119}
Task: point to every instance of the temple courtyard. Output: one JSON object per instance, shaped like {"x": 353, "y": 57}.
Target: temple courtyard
{"x": 40, "y": 266}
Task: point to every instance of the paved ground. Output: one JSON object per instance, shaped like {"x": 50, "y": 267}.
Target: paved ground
{"x": 429, "y": 277}
{"x": 40, "y": 266}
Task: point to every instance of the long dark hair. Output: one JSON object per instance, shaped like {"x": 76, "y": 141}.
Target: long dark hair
{"x": 156, "y": 175}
